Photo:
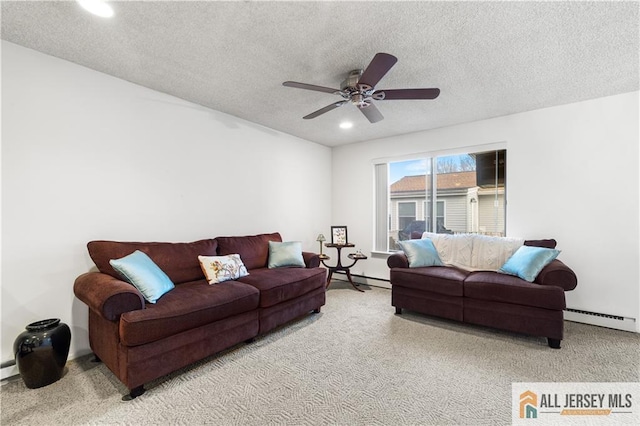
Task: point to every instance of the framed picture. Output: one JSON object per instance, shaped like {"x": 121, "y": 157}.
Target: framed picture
{"x": 339, "y": 235}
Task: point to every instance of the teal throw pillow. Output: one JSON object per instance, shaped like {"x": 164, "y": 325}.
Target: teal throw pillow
{"x": 138, "y": 269}
{"x": 527, "y": 262}
{"x": 285, "y": 254}
{"x": 420, "y": 253}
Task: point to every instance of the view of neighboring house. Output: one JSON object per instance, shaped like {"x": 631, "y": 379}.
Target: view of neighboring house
{"x": 461, "y": 205}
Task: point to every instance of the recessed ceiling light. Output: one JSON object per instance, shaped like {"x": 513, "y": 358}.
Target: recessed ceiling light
{"x": 97, "y": 7}
{"x": 346, "y": 125}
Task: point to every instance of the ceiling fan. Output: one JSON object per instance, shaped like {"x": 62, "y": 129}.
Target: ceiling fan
{"x": 359, "y": 89}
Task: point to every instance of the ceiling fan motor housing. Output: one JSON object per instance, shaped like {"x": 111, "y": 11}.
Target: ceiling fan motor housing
{"x": 358, "y": 94}
{"x": 351, "y": 82}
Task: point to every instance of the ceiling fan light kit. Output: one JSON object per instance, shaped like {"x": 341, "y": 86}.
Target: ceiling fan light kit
{"x": 359, "y": 89}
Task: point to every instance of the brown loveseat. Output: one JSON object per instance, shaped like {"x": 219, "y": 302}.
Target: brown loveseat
{"x": 486, "y": 298}
{"x": 140, "y": 341}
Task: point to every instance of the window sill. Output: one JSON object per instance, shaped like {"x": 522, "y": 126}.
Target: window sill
{"x": 382, "y": 253}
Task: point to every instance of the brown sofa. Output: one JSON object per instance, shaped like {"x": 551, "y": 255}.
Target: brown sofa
{"x": 140, "y": 342}
{"x": 486, "y": 298}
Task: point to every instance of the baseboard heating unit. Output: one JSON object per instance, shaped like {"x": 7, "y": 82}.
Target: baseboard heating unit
{"x": 604, "y": 320}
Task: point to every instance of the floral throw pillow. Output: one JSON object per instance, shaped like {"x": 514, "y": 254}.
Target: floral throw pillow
{"x": 218, "y": 269}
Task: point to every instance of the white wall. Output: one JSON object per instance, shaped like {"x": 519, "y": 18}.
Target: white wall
{"x": 88, "y": 156}
{"x": 572, "y": 175}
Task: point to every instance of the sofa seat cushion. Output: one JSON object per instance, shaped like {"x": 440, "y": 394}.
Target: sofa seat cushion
{"x": 279, "y": 285}
{"x": 509, "y": 289}
{"x": 187, "y": 306}
{"x": 436, "y": 279}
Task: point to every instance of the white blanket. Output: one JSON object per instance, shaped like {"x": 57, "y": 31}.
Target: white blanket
{"x": 474, "y": 252}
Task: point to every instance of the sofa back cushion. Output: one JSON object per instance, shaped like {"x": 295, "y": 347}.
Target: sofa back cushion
{"x": 550, "y": 243}
{"x": 178, "y": 260}
{"x": 253, "y": 249}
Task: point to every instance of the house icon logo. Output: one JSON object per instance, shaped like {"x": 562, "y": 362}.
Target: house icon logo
{"x": 528, "y": 405}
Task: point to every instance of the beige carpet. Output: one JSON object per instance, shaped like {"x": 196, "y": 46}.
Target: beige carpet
{"x": 356, "y": 363}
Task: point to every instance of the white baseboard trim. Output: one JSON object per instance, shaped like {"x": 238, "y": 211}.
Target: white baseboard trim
{"x": 8, "y": 372}
{"x": 361, "y": 279}
{"x": 618, "y": 323}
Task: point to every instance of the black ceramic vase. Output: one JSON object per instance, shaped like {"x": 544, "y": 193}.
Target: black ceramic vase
{"x": 41, "y": 352}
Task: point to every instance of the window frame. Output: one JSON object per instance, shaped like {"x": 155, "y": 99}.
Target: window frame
{"x": 444, "y": 212}
{"x": 382, "y": 174}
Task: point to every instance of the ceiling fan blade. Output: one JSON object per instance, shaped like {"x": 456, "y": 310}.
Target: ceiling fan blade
{"x": 406, "y": 94}
{"x": 310, "y": 87}
{"x": 372, "y": 113}
{"x": 325, "y": 109}
{"x": 379, "y": 66}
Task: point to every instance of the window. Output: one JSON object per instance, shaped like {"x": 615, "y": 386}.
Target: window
{"x": 406, "y": 214}
{"x": 464, "y": 194}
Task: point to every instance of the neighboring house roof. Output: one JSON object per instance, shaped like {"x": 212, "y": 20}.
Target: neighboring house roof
{"x": 458, "y": 180}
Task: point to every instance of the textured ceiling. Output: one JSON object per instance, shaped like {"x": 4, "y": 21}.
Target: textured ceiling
{"x": 488, "y": 58}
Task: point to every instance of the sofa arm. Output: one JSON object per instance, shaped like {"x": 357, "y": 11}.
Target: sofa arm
{"x": 312, "y": 260}
{"x": 397, "y": 260}
{"x": 106, "y": 295}
{"x": 558, "y": 274}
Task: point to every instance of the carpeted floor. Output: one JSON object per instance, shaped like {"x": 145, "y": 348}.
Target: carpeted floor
{"x": 356, "y": 363}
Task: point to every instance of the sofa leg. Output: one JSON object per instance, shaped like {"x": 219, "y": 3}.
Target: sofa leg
{"x": 134, "y": 393}
{"x": 96, "y": 358}
{"x": 253, "y": 339}
{"x": 554, "y": 343}
{"x": 316, "y": 310}
{"x": 398, "y": 310}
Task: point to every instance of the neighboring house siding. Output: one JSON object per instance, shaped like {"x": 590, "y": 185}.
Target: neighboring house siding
{"x": 461, "y": 215}
{"x": 455, "y": 212}
{"x": 491, "y": 220}
{"x": 467, "y": 207}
